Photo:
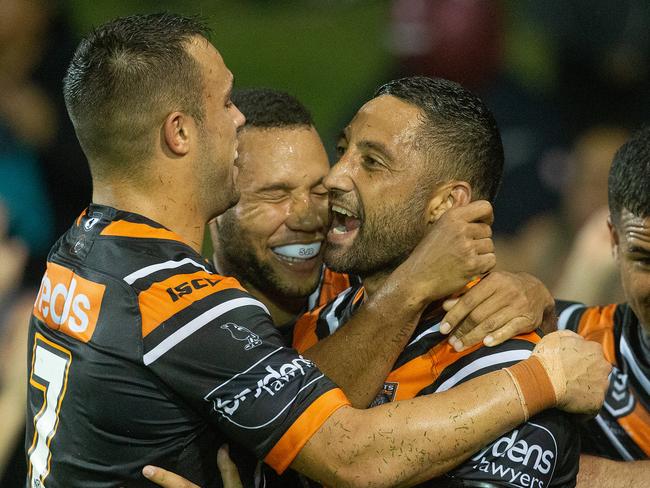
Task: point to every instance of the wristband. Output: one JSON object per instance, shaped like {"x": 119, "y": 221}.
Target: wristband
{"x": 536, "y": 392}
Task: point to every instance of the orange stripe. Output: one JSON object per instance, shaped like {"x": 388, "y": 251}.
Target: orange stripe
{"x": 157, "y": 303}
{"x": 304, "y": 332}
{"x": 123, "y": 228}
{"x": 446, "y": 355}
{"x": 597, "y": 324}
{"x": 361, "y": 292}
{"x": 80, "y": 217}
{"x": 413, "y": 376}
{"x": 332, "y": 285}
{"x": 637, "y": 426}
{"x": 309, "y": 422}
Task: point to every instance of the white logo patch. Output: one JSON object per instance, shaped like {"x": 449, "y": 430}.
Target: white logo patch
{"x": 525, "y": 457}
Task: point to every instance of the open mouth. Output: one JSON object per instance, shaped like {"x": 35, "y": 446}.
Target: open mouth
{"x": 343, "y": 220}
{"x": 297, "y": 252}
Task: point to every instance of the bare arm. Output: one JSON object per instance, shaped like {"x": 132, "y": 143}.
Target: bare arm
{"x": 359, "y": 356}
{"x": 403, "y": 443}
{"x": 596, "y": 472}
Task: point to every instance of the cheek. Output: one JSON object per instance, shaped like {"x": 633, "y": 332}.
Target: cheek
{"x": 636, "y": 285}
{"x": 261, "y": 222}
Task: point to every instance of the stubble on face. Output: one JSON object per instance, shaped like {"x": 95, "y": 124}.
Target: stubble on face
{"x": 244, "y": 264}
{"x": 387, "y": 236}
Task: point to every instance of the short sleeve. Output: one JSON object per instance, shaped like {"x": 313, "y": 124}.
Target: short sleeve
{"x": 223, "y": 356}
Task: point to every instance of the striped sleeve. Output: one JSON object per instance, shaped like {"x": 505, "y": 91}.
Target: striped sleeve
{"x": 216, "y": 347}
{"x": 568, "y": 314}
{"x": 592, "y": 323}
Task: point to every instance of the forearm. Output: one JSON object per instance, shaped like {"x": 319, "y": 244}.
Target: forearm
{"x": 359, "y": 356}
{"x": 600, "y": 472}
{"x": 403, "y": 443}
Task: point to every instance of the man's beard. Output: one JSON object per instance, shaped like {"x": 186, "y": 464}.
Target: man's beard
{"x": 384, "y": 240}
{"x": 247, "y": 268}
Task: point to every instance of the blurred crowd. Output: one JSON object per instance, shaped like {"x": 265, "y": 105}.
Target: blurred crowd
{"x": 566, "y": 81}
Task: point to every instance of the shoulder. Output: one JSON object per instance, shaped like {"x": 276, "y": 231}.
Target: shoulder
{"x": 456, "y": 368}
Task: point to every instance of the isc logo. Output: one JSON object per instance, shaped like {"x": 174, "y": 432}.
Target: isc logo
{"x": 68, "y": 302}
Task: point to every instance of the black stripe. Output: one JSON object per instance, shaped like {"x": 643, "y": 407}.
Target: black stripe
{"x": 452, "y": 369}
{"x": 342, "y": 312}
{"x": 596, "y": 440}
{"x": 424, "y": 344}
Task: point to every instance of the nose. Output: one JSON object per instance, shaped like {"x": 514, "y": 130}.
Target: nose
{"x": 238, "y": 117}
{"x": 339, "y": 177}
{"x": 307, "y": 214}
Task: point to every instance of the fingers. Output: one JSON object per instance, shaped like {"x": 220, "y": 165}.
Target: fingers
{"x": 228, "y": 469}
{"x": 477, "y": 211}
{"x": 516, "y": 326}
{"x": 165, "y": 478}
{"x": 472, "y": 331}
{"x": 479, "y": 231}
{"x": 463, "y": 306}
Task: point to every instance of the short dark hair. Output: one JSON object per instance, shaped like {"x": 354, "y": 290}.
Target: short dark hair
{"x": 265, "y": 108}
{"x": 457, "y": 124}
{"x": 629, "y": 177}
{"x": 125, "y": 77}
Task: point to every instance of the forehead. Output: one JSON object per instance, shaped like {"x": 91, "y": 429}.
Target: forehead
{"x": 281, "y": 155}
{"x": 211, "y": 63}
{"x": 634, "y": 229}
{"x": 386, "y": 118}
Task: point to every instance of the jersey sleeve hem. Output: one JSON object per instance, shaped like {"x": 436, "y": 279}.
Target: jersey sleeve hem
{"x": 290, "y": 444}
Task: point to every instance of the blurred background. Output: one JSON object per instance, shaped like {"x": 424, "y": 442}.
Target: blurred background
{"x": 567, "y": 80}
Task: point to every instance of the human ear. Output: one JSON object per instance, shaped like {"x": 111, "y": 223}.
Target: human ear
{"x": 176, "y": 133}
{"x": 613, "y": 238}
{"x": 449, "y": 195}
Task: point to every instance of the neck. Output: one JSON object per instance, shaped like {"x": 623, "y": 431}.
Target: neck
{"x": 283, "y": 310}
{"x": 372, "y": 283}
{"x": 169, "y": 207}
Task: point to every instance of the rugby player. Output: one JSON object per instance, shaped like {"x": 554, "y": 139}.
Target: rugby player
{"x": 141, "y": 353}
{"x": 282, "y": 212}
{"x": 621, "y": 431}
{"x": 550, "y": 458}
{"x": 271, "y": 241}
{"x": 393, "y": 177}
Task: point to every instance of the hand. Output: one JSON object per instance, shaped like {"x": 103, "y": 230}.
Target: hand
{"x": 499, "y": 307}
{"x": 167, "y": 479}
{"x": 457, "y": 249}
{"x": 578, "y": 371}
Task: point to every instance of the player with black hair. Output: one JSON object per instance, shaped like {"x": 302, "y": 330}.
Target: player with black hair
{"x": 622, "y": 429}
{"x": 140, "y": 352}
{"x": 403, "y": 166}
{"x": 271, "y": 240}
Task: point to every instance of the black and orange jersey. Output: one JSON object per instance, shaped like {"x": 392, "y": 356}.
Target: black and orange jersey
{"x": 140, "y": 353}
{"x": 540, "y": 453}
{"x": 330, "y": 286}
{"x": 622, "y": 428}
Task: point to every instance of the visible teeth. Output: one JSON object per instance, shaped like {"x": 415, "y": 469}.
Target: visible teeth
{"x": 341, "y": 210}
{"x": 340, "y": 229}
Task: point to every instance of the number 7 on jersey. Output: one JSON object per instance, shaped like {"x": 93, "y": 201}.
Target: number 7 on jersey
{"x": 49, "y": 373}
